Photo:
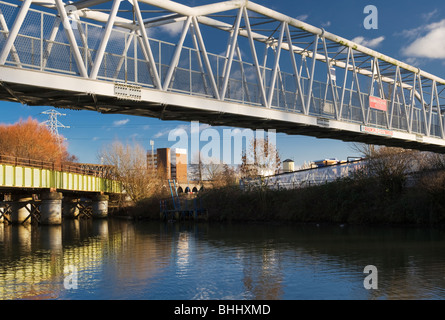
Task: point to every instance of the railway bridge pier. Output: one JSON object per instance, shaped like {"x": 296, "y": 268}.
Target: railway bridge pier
{"x": 46, "y": 194}
{"x": 49, "y": 207}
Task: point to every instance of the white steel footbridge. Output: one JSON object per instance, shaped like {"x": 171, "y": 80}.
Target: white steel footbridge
{"x": 233, "y": 63}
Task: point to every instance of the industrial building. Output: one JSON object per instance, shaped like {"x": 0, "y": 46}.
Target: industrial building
{"x": 172, "y": 163}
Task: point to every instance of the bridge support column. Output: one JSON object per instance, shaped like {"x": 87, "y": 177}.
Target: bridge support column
{"x": 70, "y": 208}
{"x": 100, "y": 206}
{"x": 21, "y": 209}
{"x": 2, "y": 212}
{"x": 51, "y": 208}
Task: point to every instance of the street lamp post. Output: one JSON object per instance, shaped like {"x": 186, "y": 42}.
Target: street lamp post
{"x": 152, "y": 143}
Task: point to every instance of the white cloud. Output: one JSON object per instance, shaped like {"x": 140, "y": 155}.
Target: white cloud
{"x": 411, "y": 33}
{"x": 415, "y": 62}
{"x": 429, "y": 44}
{"x": 187, "y": 128}
{"x": 160, "y": 134}
{"x": 166, "y": 132}
{"x": 174, "y": 28}
{"x": 121, "y": 122}
{"x": 429, "y": 15}
{"x": 369, "y": 43}
{"x": 135, "y": 136}
{"x": 303, "y": 17}
{"x": 326, "y": 24}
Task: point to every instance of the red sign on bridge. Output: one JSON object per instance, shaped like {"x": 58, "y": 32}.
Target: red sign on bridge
{"x": 378, "y": 104}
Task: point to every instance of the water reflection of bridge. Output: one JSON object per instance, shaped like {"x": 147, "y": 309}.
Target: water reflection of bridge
{"x": 38, "y": 274}
{"x": 266, "y": 260}
{"x": 34, "y": 259}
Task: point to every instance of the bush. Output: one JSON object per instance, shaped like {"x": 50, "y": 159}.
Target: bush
{"x": 353, "y": 201}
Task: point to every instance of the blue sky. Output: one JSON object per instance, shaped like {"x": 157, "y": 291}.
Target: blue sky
{"x": 410, "y": 31}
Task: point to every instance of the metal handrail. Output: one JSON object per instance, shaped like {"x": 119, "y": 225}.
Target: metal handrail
{"x": 103, "y": 171}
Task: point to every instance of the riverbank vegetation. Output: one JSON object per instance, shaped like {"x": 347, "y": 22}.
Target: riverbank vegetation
{"x": 129, "y": 162}
{"x": 395, "y": 186}
{"x": 350, "y": 201}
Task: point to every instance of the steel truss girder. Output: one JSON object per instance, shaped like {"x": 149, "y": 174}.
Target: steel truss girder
{"x": 202, "y": 11}
{"x": 185, "y": 107}
{"x": 394, "y": 80}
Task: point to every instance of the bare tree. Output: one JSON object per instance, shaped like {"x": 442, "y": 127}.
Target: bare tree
{"x": 390, "y": 160}
{"x": 214, "y": 171}
{"x": 389, "y": 165}
{"x": 197, "y": 168}
{"x": 433, "y": 161}
{"x": 130, "y": 167}
{"x": 365, "y": 150}
{"x": 261, "y": 158}
{"x": 220, "y": 174}
{"x": 230, "y": 175}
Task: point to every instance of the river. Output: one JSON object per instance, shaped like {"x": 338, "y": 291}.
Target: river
{"x": 119, "y": 259}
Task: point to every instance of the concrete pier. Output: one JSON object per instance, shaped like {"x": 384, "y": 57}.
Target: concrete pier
{"x": 21, "y": 209}
{"x": 70, "y": 208}
{"x": 51, "y": 208}
{"x": 100, "y": 206}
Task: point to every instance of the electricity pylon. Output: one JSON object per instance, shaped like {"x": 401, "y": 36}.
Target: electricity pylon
{"x": 53, "y": 123}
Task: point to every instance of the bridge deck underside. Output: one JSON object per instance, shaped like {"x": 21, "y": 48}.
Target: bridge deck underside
{"x": 32, "y": 95}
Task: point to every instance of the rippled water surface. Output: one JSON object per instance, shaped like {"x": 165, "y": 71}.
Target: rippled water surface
{"x": 114, "y": 259}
